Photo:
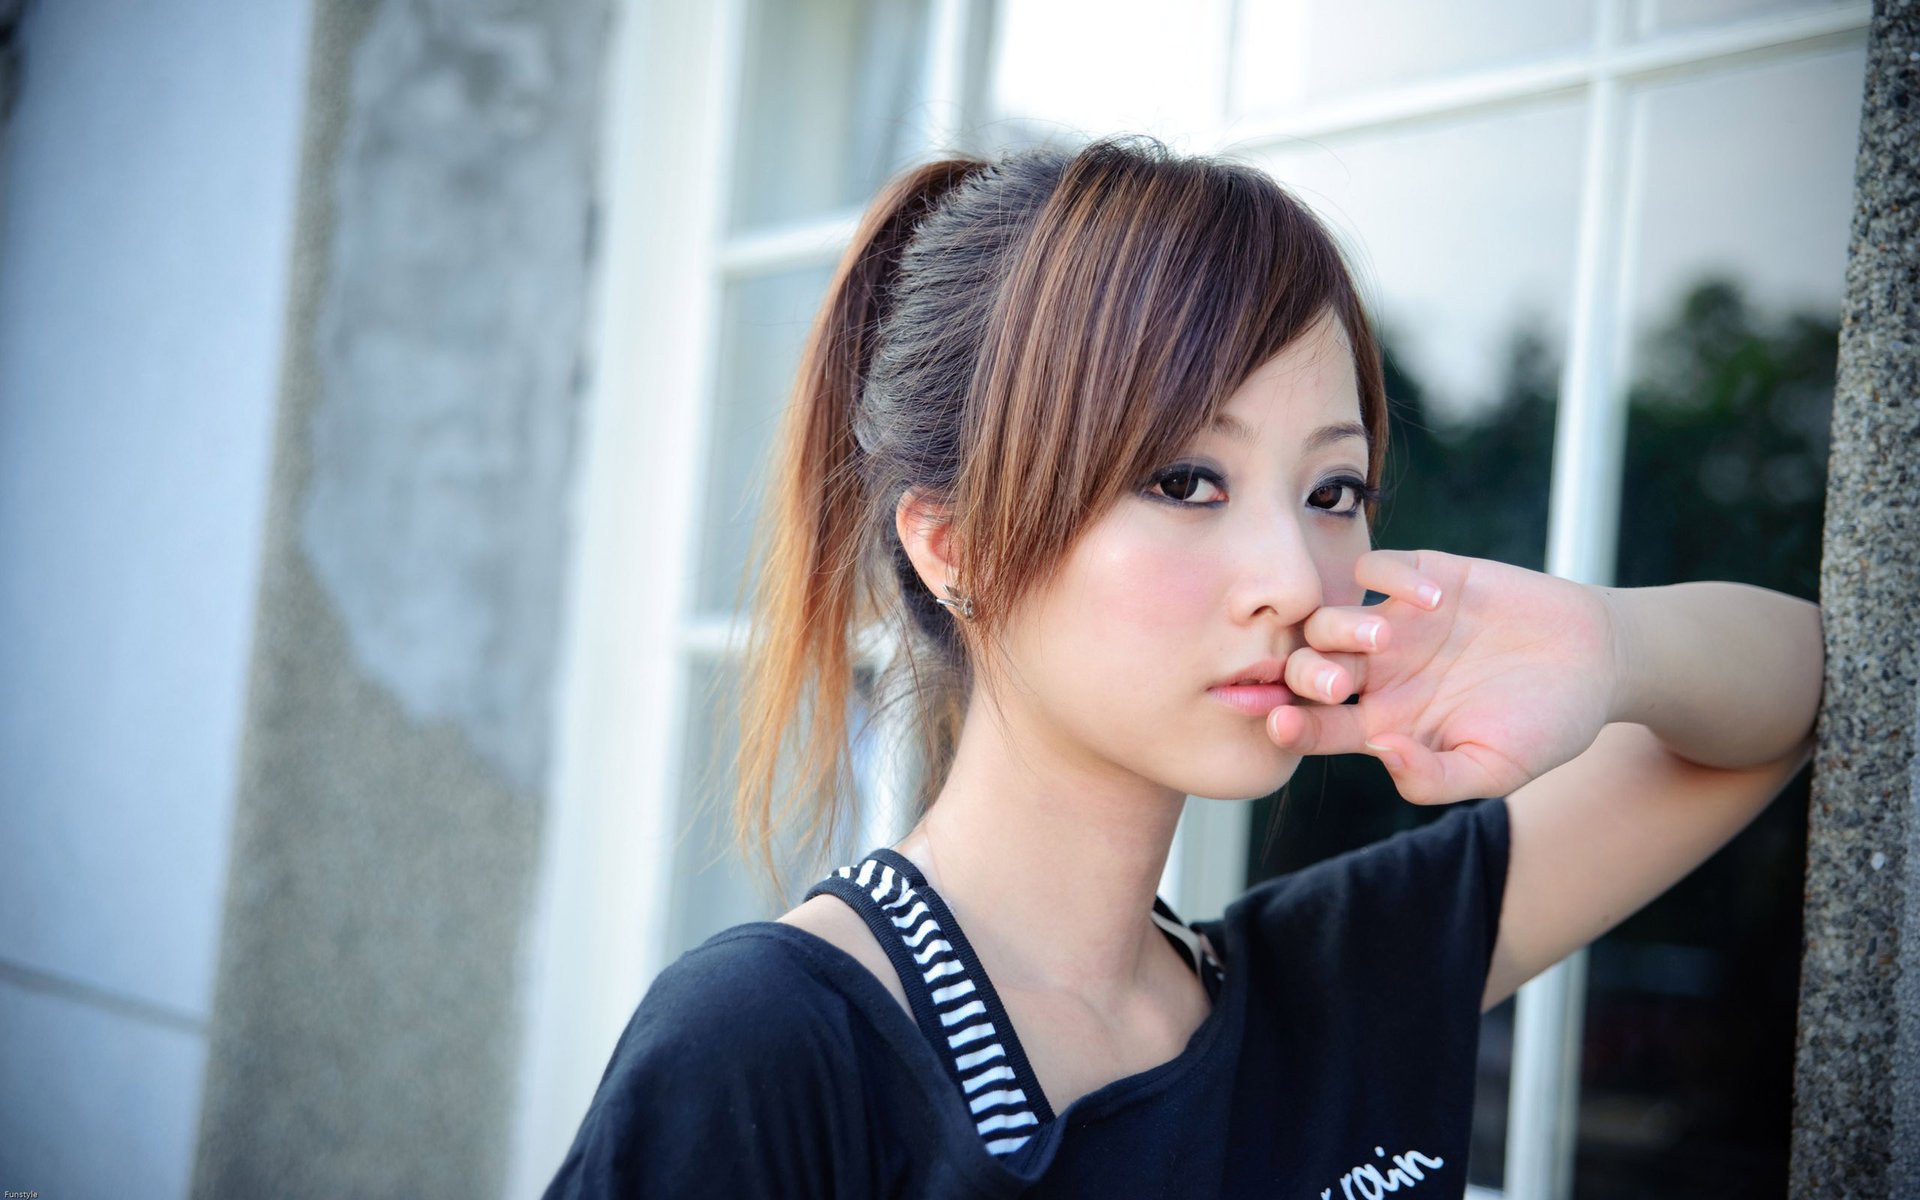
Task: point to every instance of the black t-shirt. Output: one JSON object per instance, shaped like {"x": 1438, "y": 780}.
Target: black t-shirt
{"x": 1338, "y": 1060}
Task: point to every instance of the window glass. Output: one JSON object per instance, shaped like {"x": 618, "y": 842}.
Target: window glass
{"x": 1744, "y": 202}
{"x": 1469, "y": 262}
{"x": 1135, "y": 66}
{"x": 831, "y": 104}
{"x": 1747, "y": 173}
{"x": 1298, "y": 53}
{"x": 714, "y": 886}
{"x": 1467, "y": 259}
{"x": 763, "y": 327}
{"x": 1654, "y": 17}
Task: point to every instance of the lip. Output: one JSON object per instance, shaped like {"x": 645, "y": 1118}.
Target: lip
{"x": 1254, "y": 699}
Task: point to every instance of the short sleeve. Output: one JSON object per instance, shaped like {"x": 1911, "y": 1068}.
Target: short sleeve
{"x": 1416, "y": 912}
{"x": 1362, "y": 978}
{"x": 732, "y": 1079}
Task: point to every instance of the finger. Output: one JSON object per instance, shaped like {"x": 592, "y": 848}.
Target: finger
{"x": 1408, "y": 575}
{"x": 1327, "y": 678}
{"x": 1465, "y": 772}
{"x": 1355, "y": 630}
{"x": 1317, "y": 729}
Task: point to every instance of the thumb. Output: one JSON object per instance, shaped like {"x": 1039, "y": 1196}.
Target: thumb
{"x": 1464, "y": 772}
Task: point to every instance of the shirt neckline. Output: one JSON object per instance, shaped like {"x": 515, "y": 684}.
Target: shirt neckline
{"x": 1030, "y": 1161}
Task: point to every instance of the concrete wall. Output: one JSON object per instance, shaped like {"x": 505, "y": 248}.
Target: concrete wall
{"x": 1856, "y": 1120}
{"x": 392, "y": 791}
{"x": 146, "y": 208}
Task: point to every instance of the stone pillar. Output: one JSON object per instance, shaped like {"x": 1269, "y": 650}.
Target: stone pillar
{"x": 365, "y": 1032}
{"x": 1856, "y": 1123}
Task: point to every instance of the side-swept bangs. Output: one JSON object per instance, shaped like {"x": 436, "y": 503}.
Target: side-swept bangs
{"x": 1019, "y": 342}
{"x": 1150, "y": 288}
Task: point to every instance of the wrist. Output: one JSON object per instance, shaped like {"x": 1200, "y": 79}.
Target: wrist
{"x": 1626, "y": 700}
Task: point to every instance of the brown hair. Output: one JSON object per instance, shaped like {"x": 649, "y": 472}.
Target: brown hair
{"x": 1020, "y": 342}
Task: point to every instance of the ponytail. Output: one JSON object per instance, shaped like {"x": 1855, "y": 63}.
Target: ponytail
{"x": 1016, "y": 342}
{"x": 811, "y": 591}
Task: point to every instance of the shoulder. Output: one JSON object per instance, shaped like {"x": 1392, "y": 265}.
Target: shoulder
{"x": 831, "y": 920}
{"x": 745, "y": 991}
{"x": 727, "y": 1077}
{"x": 1432, "y": 890}
{"x": 1472, "y": 834}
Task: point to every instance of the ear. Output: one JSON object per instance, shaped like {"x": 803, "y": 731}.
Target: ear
{"x": 923, "y": 527}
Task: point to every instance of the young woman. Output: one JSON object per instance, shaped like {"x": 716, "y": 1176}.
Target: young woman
{"x": 1099, "y": 434}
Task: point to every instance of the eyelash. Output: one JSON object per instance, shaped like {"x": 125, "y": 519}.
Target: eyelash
{"x": 1363, "y": 495}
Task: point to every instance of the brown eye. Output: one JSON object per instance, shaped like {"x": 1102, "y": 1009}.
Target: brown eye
{"x": 1341, "y": 497}
{"x": 1181, "y": 486}
{"x": 1327, "y": 495}
{"x": 1186, "y": 486}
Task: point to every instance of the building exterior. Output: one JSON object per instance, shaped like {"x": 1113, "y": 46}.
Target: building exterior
{"x": 383, "y": 393}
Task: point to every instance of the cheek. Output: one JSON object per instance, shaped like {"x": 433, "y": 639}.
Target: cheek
{"x": 1134, "y": 585}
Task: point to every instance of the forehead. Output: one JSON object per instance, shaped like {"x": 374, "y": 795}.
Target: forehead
{"x": 1308, "y": 393}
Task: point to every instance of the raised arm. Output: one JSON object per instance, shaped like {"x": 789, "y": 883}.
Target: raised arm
{"x": 1712, "y": 711}
{"x": 1633, "y": 731}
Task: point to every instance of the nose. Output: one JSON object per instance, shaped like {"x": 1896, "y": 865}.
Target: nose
{"x": 1277, "y": 576}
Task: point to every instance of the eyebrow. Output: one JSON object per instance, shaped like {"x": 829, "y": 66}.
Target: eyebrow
{"x": 1237, "y": 430}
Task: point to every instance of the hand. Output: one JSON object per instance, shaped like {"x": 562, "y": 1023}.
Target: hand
{"x": 1507, "y": 675}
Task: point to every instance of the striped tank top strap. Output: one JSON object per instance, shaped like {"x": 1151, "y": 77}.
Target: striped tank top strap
{"x": 953, "y": 1002}
{"x": 1187, "y": 942}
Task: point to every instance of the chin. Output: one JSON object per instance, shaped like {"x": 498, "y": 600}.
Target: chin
{"x": 1246, "y": 779}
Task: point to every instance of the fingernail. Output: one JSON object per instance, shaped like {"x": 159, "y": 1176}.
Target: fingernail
{"x": 1371, "y": 631}
{"x": 1388, "y": 758}
{"x": 1429, "y": 595}
{"x": 1326, "y": 681}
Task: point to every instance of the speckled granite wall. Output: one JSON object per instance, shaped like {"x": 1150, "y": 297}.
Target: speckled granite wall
{"x": 365, "y": 1034}
{"x": 1856, "y": 1126}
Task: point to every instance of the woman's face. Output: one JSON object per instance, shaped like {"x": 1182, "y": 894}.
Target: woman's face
{"x": 1196, "y": 578}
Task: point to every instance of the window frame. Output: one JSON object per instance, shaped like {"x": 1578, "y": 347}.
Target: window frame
{"x": 1590, "y": 421}
{"x": 600, "y": 929}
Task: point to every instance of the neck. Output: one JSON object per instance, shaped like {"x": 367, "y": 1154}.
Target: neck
{"x": 1049, "y": 862}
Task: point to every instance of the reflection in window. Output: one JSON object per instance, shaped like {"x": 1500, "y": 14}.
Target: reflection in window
{"x": 763, "y": 326}
{"x": 714, "y": 887}
{"x": 1655, "y": 17}
{"x": 830, "y": 106}
{"x": 1687, "y": 1064}
{"x": 1294, "y": 53}
{"x": 1463, "y": 234}
{"x": 1746, "y": 173}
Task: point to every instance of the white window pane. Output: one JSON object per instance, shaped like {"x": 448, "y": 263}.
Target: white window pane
{"x": 1065, "y": 69}
{"x": 831, "y": 104}
{"x": 1744, "y": 206}
{"x": 763, "y": 326}
{"x": 1748, "y": 172}
{"x": 1654, "y": 17}
{"x": 713, "y": 886}
{"x": 1294, "y": 53}
{"x": 1463, "y": 233}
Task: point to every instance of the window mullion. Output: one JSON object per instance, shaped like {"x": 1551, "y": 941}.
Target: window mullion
{"x": 1527, "y": 83}
{"x": 946, "y": 88}
{"x": 1589, "y": 437}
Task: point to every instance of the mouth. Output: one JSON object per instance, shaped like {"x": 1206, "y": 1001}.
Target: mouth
{"x": 1255, "y": 689}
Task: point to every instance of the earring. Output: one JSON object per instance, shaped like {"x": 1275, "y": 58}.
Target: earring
{"x": 960, "y": 604}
